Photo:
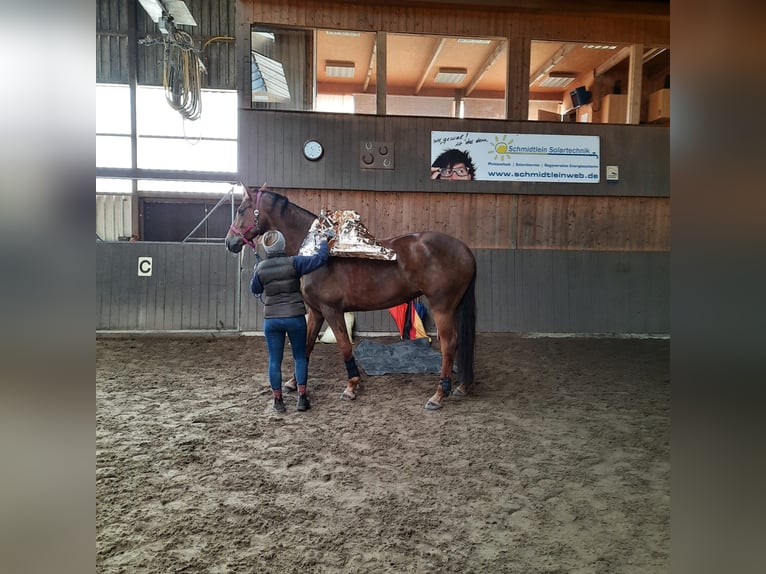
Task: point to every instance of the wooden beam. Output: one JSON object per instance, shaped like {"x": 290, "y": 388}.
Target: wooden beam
{"x": 380, "y": 87}
{"x": 133, "y": 87}
{"x": 635, "y": 75}
{"x": 370, "y": 67}
{"x": 167, "y": 174}
{"x": 434, "y": 55}
{"x": 613, "y": 60}
{"x": 485, "y": 67}
{"x": 517, "y": 96}
{"x": 550, "y": 62}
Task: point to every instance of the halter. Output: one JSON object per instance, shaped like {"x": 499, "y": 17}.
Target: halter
{"x": 256, "y": 216}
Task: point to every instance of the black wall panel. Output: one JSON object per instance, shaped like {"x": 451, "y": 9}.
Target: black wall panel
{"x": 204, "y": 287}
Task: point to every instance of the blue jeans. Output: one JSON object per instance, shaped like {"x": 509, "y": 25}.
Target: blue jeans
{"x": 275, "y": 329}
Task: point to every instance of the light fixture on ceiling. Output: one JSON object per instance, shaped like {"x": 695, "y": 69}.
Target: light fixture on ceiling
{"x": 335, "y": 69}
{"x": 168, "y": 13}
{"x": 547, "y": 66}
{"x": 558, "y": 80}
{"x": 345, "y": 33}
{"x": 482, "y": 41}
{"x": 600, "y": 47}
{"x": 450, "y": 75}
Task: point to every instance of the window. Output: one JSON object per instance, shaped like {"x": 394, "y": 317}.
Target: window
{"x": 588, "y": 81}
{"x": 336, "y": 71}
{"x": 113, "y": 126}
{"x": 446, "y": 76}
{"x": 165, "y": 139}
{"x": 281, "y": 69}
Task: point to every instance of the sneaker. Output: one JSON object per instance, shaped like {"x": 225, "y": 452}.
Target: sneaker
{"x": 303, "y": 403}
{"x": 279, "y": 405}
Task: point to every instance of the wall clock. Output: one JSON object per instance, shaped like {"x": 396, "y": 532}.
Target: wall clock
{"x": 313, "y": 150}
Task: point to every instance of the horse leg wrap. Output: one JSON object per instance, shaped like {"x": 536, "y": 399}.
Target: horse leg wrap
{"x": 351, "y": 368}
{"x": 446, "y": 384}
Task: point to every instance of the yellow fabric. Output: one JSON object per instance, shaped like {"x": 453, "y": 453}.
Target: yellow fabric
{"x": 419, "y": 329}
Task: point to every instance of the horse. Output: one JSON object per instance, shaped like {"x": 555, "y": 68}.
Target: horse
{"x": 429, "y": 263}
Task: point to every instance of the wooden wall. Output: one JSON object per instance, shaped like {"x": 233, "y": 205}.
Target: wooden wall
{"x": 270, "y": 145}
{"x": 500, "y": 221}
{"x": 557, "y": 258}
{"x": 213, "y": 36}
{"x": 520, "y": 26}
{"x": 197, "y": 287}
{"x": 192, "y": 287}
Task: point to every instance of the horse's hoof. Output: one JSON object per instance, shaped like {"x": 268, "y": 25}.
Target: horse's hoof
{"x": 432, "y": 406}
{"x": 344, "y": 396}
{"x": 457, "y": 394}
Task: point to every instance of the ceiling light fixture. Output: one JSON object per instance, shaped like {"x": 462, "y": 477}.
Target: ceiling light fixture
{"x": 346, "y": 33}
{"x": 558, "y": 80}
{"x": 551, "y": 62}
{"x": 175, "y": 9}
{"x": 335, "y": 69}
{"x": 450, "y": 75}
{"x": 483, "y": 41}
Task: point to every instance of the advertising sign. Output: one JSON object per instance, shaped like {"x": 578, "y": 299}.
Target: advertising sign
{"x": 515, "y": 157}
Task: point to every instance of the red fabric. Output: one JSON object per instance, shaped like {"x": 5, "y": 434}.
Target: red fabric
{"x": 399, "y": 313}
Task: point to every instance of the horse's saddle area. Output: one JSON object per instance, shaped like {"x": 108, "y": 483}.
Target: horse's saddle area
{"x": 351, "y": 237}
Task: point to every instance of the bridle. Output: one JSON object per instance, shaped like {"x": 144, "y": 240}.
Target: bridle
{"x": 256, "y": 217}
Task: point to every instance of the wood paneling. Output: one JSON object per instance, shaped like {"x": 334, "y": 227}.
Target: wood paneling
{"x": 624, "y": 23}
{"x": 495, "y": 221}
{"x": 213, "y": 36}
{"x": 464, "y": 19}
{"x": 203, "y": 287}
{"x": 192, "y": 287}
{"x": 594, "y": 223}
{"x": 271, "y": 142}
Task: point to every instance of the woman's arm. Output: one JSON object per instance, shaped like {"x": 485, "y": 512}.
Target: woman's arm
{"x": 307, "y": 263}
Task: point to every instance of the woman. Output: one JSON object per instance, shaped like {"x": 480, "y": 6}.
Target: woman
{"x": 278, "y": 278}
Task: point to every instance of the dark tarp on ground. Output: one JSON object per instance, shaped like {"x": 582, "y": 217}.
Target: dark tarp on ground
{"x": 408, "y": 356}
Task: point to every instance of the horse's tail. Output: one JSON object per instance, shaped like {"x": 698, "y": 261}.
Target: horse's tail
{"x": 466, "y": 333}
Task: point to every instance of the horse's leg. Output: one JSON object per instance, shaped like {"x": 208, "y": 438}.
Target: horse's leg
{"x": 445, "y": 323}
{"x": 316, "y": 319}
{"x": 312, "y": 331}
{"x": 337, "y": 322}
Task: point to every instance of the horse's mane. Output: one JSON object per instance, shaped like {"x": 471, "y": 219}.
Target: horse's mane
{"x": 281, "y": 204}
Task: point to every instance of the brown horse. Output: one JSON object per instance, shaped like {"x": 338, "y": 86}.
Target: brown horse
{"x": 428, "y": 263}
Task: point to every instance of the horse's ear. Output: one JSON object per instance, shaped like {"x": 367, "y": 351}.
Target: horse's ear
{"x": 263, "y": 187}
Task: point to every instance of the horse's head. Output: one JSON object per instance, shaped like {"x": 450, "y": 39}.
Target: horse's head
{"x": 249, "y": 223}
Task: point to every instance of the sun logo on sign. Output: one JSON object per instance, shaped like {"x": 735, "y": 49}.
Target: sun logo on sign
{"x": 500, "y": 148}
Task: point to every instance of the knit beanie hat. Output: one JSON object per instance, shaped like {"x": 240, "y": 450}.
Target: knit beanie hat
{"x": 273, "y": 242}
